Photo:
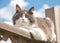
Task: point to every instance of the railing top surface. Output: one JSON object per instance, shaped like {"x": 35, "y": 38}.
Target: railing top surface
{"x": 13, "y": 29}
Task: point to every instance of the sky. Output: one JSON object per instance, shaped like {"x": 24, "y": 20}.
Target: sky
{"x": 7, "y": 7}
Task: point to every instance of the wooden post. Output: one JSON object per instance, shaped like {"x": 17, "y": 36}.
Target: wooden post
{"x": 54, "y": 14}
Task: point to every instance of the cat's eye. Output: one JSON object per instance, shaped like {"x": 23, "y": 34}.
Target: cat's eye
{"x": 21, "y": 14}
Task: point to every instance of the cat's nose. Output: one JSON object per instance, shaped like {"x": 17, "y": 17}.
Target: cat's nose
{"x": 23, "y": 20}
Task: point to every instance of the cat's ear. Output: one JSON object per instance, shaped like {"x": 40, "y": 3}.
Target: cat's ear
{"x": 18, "y": 8}
{"x": 31, "y": 10}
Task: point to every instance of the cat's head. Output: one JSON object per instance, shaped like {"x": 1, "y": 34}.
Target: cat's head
{"x": 23, "y": 15}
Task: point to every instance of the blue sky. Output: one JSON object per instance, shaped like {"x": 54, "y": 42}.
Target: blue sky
{"x": 38, "y": 4}
{"x": 4, "y": 3}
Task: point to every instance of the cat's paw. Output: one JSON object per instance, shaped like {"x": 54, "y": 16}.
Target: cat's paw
{"x": 38, "y": 34}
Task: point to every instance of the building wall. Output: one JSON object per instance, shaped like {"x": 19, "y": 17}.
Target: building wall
{"x": 54, "y": 14}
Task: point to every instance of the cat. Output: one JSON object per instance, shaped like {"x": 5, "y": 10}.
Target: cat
{"x": 39, "y": 28}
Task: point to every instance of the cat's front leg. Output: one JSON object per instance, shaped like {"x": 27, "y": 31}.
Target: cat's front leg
{"x": 38, "y": 34}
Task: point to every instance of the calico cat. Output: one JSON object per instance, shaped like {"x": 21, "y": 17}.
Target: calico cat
{"x": 39, "y": 28}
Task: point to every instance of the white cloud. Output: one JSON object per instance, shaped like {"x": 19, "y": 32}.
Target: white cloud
{"x": 21, "y": 3}
{"x": 45, "y": 6}
{"x": 41, "y": 11}
{"x": 57, "y": 6}
{"x": 8, "y": 11}
{"x": 5, "y": 13}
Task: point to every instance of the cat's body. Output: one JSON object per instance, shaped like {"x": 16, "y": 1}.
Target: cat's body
{"x": 40, "y": 28}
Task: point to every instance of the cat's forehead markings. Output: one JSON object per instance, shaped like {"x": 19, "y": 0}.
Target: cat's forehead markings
{"x": 25, "y": 12}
